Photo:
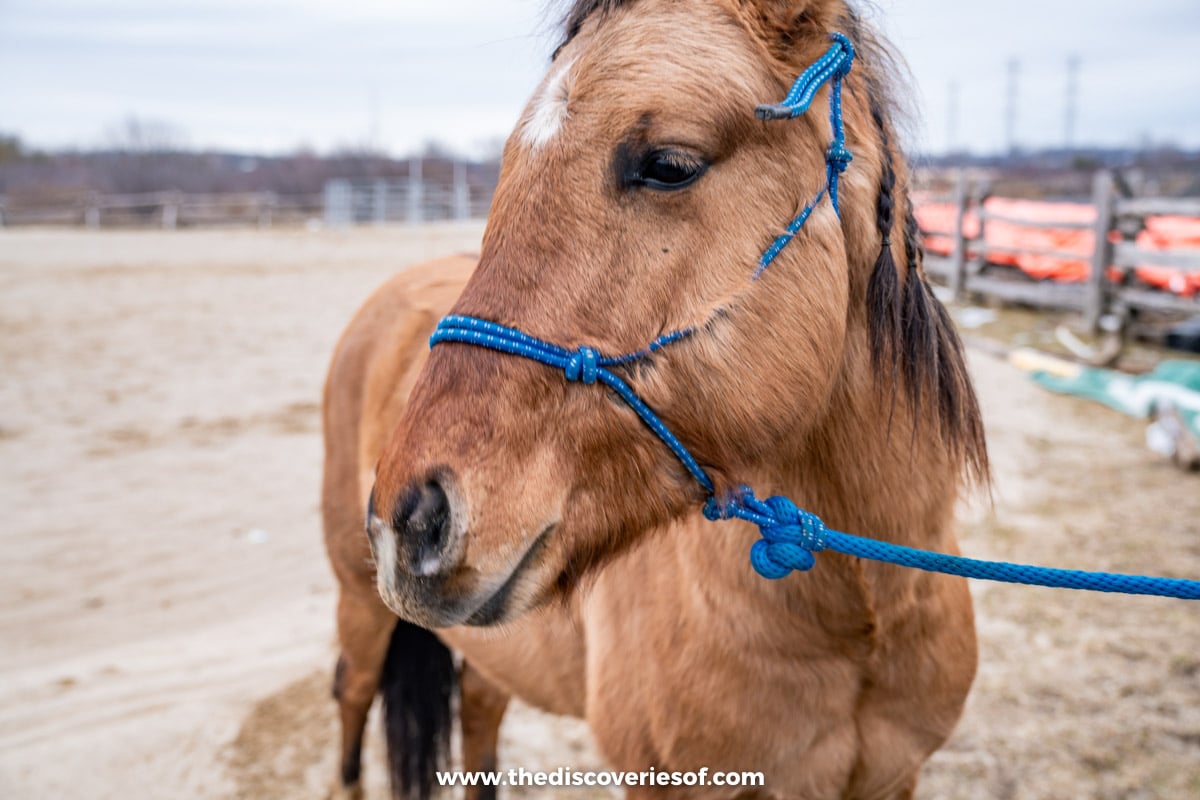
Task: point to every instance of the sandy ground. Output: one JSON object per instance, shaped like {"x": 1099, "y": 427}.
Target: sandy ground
{"x": 166, "y": 610}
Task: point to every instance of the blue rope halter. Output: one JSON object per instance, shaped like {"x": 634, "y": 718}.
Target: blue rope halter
{"x": 790, "y": 535}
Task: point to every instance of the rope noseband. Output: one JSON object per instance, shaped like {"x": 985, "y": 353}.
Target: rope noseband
{"x": 790, "y": 535}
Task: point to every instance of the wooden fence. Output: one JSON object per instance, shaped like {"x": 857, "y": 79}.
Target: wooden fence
{"x": 414, "y": 199}
{"x": 427, "y": 191}
{"x": 162, "y": 209}
{"x": 1111, "y": 285}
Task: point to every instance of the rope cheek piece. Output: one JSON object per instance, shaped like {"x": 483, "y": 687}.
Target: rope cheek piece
{"x": 791, "y": 536}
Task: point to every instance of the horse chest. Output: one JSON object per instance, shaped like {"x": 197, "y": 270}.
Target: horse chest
{"x": 699, "y": 687}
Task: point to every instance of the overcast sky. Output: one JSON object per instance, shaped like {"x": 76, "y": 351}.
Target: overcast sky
{"x": 274, "y": 75}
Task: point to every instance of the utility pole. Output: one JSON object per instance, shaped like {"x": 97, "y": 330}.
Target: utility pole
{"x": 373, "y": 145}
{"x": 1010, "y": 109}
{"x": 1071, "y": 107}
{"x": 952, "y": 119}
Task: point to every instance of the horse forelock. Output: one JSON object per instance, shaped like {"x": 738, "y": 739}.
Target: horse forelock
{"x": 579, "y": 11}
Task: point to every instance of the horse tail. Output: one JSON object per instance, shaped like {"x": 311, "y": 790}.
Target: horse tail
{"x": 418, "y": 684}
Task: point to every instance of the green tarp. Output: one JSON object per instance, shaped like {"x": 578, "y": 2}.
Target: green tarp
{"x": 1173, "y": 382}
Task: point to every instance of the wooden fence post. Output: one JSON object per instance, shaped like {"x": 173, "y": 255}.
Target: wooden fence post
{"x": 462, "y": 193}
{"x": 339, "y": 208}
{"x": 170, "y": 209}
{"x": 416, "y": 191}
{"x": 1096, "y": 295}
{"x": 958, "y": 256}
{"x": 91, "y": 213}
{"x": 379, "y": 198}
{"x": 266, "y": 208}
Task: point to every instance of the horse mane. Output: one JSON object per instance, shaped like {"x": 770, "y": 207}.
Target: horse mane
{"x": 915, "y": 348}
{"x": 913, "y": 338}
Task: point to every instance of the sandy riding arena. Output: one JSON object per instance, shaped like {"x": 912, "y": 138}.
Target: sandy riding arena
{"x": 166, "y": 609}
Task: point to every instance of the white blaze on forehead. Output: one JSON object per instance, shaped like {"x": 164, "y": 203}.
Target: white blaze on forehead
{"x": 548, "y": 109}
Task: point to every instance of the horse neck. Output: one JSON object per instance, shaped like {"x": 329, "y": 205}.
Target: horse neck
{"x": 870, "y": 469}
{"x": 876, "y": 466}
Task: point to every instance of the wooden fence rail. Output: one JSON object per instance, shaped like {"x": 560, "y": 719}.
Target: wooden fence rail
{"x": 1111, "y": 285}
{"x": 431, "y": 190}
{"x": 162, "y": 209}
{"x": 414, "y": 199}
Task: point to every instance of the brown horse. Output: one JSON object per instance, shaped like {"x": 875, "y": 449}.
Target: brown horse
{"x": 539, "y": 529}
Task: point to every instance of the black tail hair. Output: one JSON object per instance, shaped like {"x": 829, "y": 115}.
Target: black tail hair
{"x": 418, "y": 685}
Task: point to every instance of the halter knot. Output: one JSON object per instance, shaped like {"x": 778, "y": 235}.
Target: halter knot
{"x": 790, "y": 535}
{"x": 790, "y": 538}
{"x": 582, "y": 366}
{"x": 846, "y": 56}
{"x": 838, "y": 157}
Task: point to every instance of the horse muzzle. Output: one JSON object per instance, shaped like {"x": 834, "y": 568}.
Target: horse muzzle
{"x": 421, "y": 571}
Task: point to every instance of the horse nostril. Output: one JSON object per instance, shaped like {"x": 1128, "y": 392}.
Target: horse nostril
{"x": 422, "y": 523}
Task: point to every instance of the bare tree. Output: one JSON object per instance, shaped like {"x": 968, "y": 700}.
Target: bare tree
{"x": 138, "y": 135}
{"x": 10, "y": 148}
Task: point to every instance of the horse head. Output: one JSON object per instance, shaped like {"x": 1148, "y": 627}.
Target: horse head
{"x": 637, "y": 195}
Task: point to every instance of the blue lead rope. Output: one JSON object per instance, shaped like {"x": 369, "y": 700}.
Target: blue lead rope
{"x": 790, "y": 535}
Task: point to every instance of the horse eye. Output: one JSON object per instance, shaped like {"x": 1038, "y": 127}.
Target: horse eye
{"x": 668, "y": 170}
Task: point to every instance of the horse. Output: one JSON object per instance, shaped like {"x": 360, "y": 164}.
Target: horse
{"x": 498, "y": 531}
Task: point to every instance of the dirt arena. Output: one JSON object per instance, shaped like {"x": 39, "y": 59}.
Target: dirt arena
{"x": 166, "y": 611}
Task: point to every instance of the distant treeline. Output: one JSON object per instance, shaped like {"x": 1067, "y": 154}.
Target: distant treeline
{"x": 46, "y": 175}
{"x": 146, "y": 165}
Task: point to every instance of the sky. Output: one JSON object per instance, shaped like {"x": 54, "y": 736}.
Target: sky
{"x": 273, "y": 76}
